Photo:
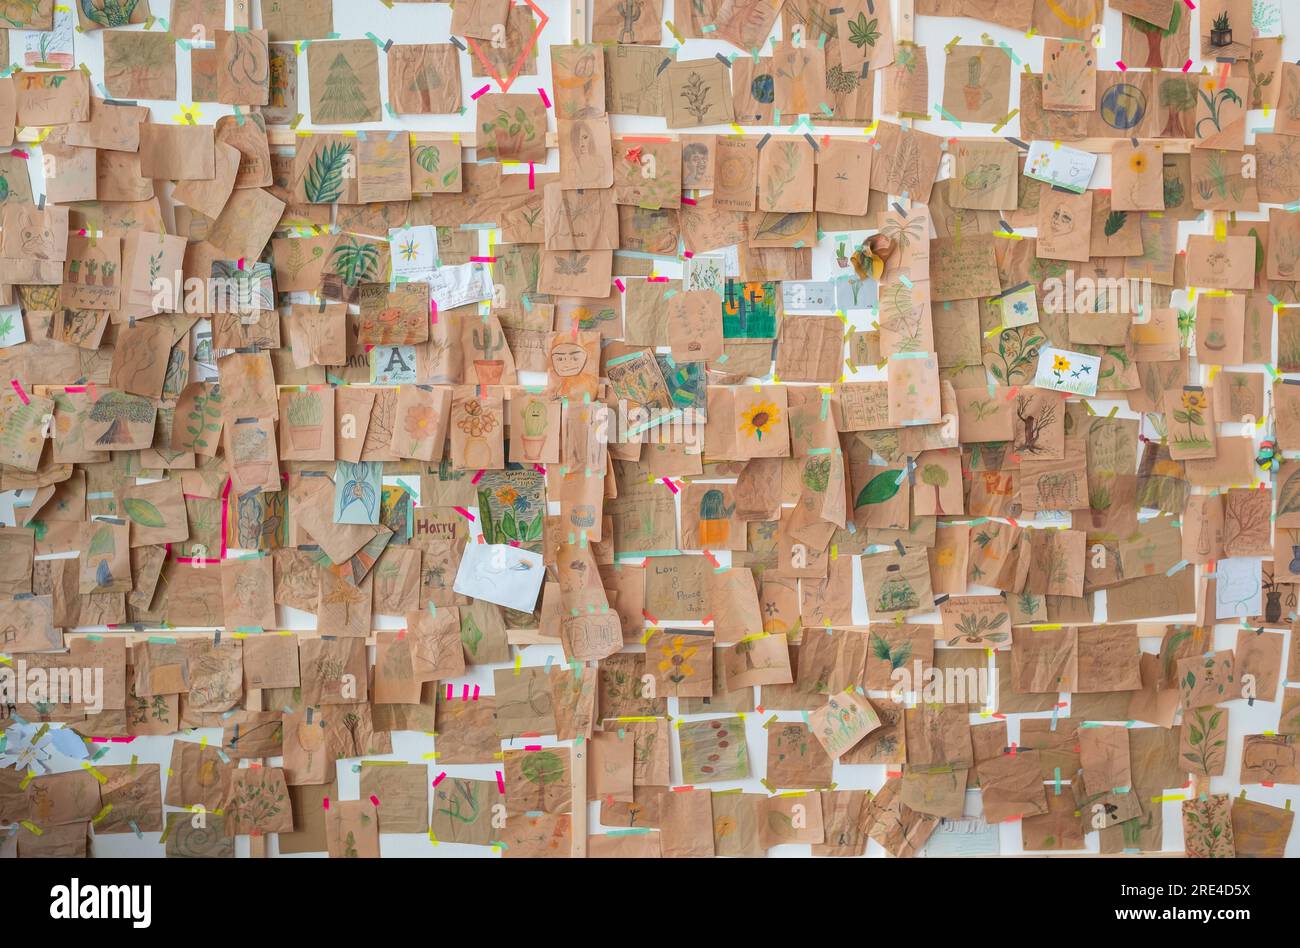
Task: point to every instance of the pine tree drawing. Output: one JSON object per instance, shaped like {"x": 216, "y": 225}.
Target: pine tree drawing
{"x": 342, "y": 100}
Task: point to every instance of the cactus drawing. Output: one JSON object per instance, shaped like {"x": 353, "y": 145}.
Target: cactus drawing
{"x": 305, "y": 415}
{"x": 534, "y": 436}
{"x": 715, "y": 519}
{"x": 489, "y": 369}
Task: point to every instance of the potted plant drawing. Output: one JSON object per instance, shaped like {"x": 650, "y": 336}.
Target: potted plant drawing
{"x": 109, "y": 270}
{"x": 715, "y": 519}
{"x": 477, "y": 423}
{"x": 74, "y": 270}
{"x": 1272, "y": 600}
{"x": 509, "y": 132}
{"x": 1221, "y": 31}
{"x": 1099, "y": 502}
{"x": 311, "y": 737}
{"x": 488, "y": 343}
{"x": 980, "y": 630}
{"x": 534, "y": 436}
{"x": 896, "y": 592}
{"x": 305, "y": 415}
{"x": 1288, "y": 251}
{"x": 973, "y": 90}
{"x": 122, "y": 410}
{"x": 248, "y": 444}
{"x": 92, "y": 267}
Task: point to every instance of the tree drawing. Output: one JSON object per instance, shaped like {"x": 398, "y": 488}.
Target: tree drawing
{"x": 1155, "y": 35}
{"x": 1178, "y": 97}
{"x": 342, "y": 100}
{"x": 936, "y": 475}
{"x": 121, "y": 410}
{"x": 1242, "y": 517}
{"x": 1034, "y": 425}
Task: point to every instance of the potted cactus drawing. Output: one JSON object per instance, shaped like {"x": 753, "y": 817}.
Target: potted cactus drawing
{"x": 534, "y": 436}
{"x": 489, "y": 369}
{"x": 1221, "y": 31}
{"x": 715, "y": 519}
{"x": 249, "y": 444}
{"x": 305, "y": 414}
{"x": 74, "y": 270}
{"x": 974, "y": 92}
{"x": 109, "y": 270}
{"x": 92, "y": 267}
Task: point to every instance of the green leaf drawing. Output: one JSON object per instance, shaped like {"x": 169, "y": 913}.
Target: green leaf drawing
{"x": 102, "y": 543}
{"x": 897, "y": 656}
{"x": 143, "y": 513}
{"x": 428, "y": 157}
{"x": 879, "y": 489}
{"x": 1288, "y": 497}
{"x": 863, "y": 32}
{"x": 324, "y": 182}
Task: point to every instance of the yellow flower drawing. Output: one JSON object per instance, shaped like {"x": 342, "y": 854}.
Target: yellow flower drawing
{"x": 761, "y": 418}
{"x": 188, "y": 115}
{"x": 1060, "y": 364}
{"x": 675, "y": 659}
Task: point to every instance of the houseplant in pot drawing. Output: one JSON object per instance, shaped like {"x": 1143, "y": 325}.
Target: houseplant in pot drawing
{"x": 974, "y": 92}
{"x": 1221, "y": 31}
{"x": 305, "y": 414}
{"x": 477, "y": 423}
{"x": 249, "y": 445}
{"x": 489, "y": 369}
{"x": 715, "y": 519}
{"x": 534, "y": 436}
{"x": 510, "y": 132}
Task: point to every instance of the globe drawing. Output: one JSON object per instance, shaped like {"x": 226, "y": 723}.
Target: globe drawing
{"x": 1123, "y": 106}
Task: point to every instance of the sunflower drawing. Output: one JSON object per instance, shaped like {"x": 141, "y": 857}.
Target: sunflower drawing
{"x": 761, "y": 418}
{"x": 676, "y": 659}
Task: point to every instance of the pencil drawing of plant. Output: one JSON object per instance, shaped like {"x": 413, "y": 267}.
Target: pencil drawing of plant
{"x": 781, "y": 175}
{"x": 696, "y": 94}
{"x": 1207, "y": 755}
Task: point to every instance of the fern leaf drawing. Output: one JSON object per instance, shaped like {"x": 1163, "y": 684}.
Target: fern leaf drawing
{"x": 324, "y": 183}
